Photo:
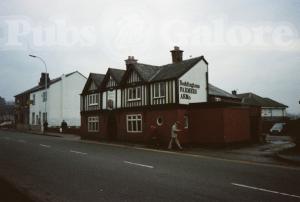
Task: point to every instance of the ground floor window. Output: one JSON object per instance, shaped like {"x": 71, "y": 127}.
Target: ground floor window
{"x": 134, "y": 123}
{"x": 33, "y": 118}
{"x": 45, "y": 117}
{"x": 93, "y": 124}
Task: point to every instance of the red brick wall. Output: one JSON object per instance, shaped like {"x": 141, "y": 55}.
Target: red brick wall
{"x": 236, "y": 124}
{"x": 149, "y": 117}
{"x": 206, "y": 125}
{"x": 219, "y": 125}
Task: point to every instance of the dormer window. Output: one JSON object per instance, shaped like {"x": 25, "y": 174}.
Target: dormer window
{"x": 134, "y": 93}
{"x": 93, "y": 99}
{"x": 159, "y": 89}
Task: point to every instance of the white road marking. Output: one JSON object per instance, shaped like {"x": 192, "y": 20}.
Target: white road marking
{"x": 201, "y": 156}
{"x": 265, "y": 190}
{"x": 78, "y": 152}
{"x": 138, "y": 164}
{"x": 44, "y": 145}
{"x": 23, "y": 141}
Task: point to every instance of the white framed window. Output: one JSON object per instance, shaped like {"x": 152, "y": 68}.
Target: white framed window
{"x": 159, "y": 89}
{"x": 134, "y": 123}
{"x": 217, "y": 99}
{"x": 186, "y": 121}
{"x": 93, "y": 99}
{"x": 93, "y": 124}
{"x": 134, "y": 93}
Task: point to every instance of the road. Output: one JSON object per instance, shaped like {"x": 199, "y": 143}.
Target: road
{"x": 55, "y": 169}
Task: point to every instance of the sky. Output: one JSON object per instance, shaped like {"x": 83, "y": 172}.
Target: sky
{"x": 251, "y": 45}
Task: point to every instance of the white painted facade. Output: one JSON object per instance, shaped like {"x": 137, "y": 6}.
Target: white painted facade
{"x": 192, "y": 86}
{"x": 63, "y": 101}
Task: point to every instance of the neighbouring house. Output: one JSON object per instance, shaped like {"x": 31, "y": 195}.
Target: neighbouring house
{"x": 216, "y": 94}
{"x": 7, "y": 112}
{"x": 22, "y": 104}
{"x": 130, "y": 102}
{"x": 271, "y": 110}
{"x": 61, "y": 102}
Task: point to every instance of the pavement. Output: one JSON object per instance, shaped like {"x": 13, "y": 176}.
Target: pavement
{"x": 59, "y": 169}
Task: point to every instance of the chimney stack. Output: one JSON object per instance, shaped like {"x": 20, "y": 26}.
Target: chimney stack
{"x": 130, "y": 61}
{"x": 43, "y": 77}
{"x": 176, "y": 54}
{"x": 234, "y": 92}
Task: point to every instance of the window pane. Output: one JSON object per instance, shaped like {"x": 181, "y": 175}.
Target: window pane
{"x": 130, "y": 93}
{"x": 139, "y": 125}
{"x": 162, "y": 89}
{"x": 129, "y": 126}
{"x": 156, "y": 90}
{"x": 139, "y": 92}
{"x": 133, "y": 125}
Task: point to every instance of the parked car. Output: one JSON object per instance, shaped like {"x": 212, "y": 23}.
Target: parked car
{"x": 278, "y": 129}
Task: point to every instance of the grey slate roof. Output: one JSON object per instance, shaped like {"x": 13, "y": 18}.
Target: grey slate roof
{"x": 117, "y": 74}
{"x": 146, "y": 71}
{"x": 253, "y": 99}
{"x": 215, "y": 91}
{"x": 151, "y": 73}
{"x": 175, "y": 70}
{"x": 97, "y": 78}
{"x": 52, "y": 81}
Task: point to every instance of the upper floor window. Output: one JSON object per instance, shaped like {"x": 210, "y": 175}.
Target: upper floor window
{"x": 93, "y": 99}
{"x": 44, "y": 96}
{"x": 134, "y": 93}
{"x": 33, "y": 99}
{"x": 159, "y": 89}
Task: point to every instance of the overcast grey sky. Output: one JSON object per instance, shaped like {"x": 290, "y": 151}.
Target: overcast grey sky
{"x": 251, "y": 45}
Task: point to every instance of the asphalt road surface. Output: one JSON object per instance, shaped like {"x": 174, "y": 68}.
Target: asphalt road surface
{"x": 55, "y": 169}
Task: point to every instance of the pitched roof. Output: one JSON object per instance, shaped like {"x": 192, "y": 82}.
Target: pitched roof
{"x": 146, "y": 71}
{"x": 175, "y": 70}
{"x": 52, "y": 81}
{"x": 253, "y": 99}
{"x": 169, "y": 71}
{"x": 215, "y": 91}
{"x": 97, "y": 78}
{"x": 117, "y": 74}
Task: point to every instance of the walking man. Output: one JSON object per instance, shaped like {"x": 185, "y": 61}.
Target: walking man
{"x": 174, "y": 134}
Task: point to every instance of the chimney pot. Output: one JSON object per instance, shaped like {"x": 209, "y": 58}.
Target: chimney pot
{"x": 176, "y": 54}
{"x": 43, "y": 77}
{"x": 130, "y": 61}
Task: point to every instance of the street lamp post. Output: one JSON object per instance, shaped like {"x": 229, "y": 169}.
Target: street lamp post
{"x": 46, "y": 84}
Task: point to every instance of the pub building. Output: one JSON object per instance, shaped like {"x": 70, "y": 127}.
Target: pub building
{"x": 125, "y": 105}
